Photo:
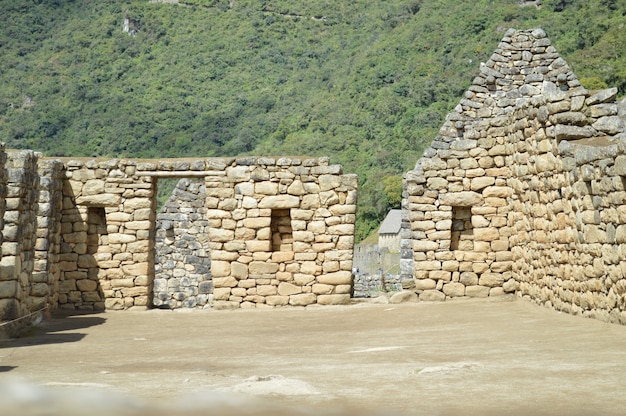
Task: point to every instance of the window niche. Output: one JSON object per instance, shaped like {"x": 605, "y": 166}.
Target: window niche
{"x": 282, "y": 234}
{"x": 96, "y": 229}
{"x": 462, "y": 230}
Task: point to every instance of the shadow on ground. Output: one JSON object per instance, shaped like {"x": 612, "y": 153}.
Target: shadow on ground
{"x": 54, "y": 331}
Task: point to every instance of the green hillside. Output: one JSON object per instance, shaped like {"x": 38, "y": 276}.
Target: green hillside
{"x": 366, "y": 83}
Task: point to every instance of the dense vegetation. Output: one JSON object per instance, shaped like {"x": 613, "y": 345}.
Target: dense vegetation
{"x": 367, "y": 83}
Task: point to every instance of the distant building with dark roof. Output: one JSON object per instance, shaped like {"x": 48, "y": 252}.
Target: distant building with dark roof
{"x": 389, "y": 231}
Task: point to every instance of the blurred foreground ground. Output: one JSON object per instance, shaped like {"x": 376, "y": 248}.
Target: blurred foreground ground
{"x": 467, "y": 357}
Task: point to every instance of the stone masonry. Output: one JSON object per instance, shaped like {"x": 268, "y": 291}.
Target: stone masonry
{"x": 79, "y": 234}
{"x": 183, "y": 264}
{"x": 523, "y": 191}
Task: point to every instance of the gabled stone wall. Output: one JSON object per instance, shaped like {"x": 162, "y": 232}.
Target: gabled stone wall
{"x": 497, "y": 204}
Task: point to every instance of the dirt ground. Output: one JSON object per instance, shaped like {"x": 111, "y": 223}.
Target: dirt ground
{"x": 467, "y": 357}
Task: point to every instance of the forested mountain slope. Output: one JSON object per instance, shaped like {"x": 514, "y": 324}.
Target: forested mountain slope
{"x": 367, "y": 83}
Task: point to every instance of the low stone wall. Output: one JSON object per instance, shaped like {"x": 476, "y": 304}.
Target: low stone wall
{"x": 371, "y": 285}
{"x": 372, "y": 266}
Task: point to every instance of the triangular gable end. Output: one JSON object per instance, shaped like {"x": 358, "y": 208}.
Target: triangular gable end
{"x": 509, "y": 197}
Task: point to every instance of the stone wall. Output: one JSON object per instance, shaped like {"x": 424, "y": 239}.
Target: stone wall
{"x": 18, "y": 242}
{"x": 46, "y": 272}
{"x": 79, "y": 234}
{"x": 568, "y": 215}
{"x": 520, "y": 192}
{"x": 182, "y": 263}
{"x": 281, "y": 232}
{"x": 7, "y": 309}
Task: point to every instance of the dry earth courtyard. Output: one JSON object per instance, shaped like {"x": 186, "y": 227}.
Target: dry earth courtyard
{"x": 466, "y": 357}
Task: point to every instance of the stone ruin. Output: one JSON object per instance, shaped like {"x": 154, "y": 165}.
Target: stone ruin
{"x": 524, "y": 189}
{"x": 84, "y": 235}
{"x": 522, "y": 192}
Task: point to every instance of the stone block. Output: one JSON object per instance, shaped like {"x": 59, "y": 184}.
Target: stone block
{"x": 425, "y": 245}
{"x": 486, "y": 234}
{"x": 287, "y": 289}
{"x": 239, "y": 292}
{"x": 336, "y": 278}
{"x": 425, "y": 284}
{"x": 491, "y": 279}
{"x": 266, "y": 290}
{"x": 284, "y": 276}
{"x": 10, "y": 267}
{"x": 86, "y": 285}
{"x": 258, "y": 222}
{"x": 255, "y": 246}
{"x": 477, "y": 184}
{"x": 221, "y": 282}
{"x": 454, "y": 289}
{"x": 93, "y": 187}
{"x": 87, "y": 261}
{"x": 501, "y": 266}
{"x": 468, "y": 278}
{"x": 341, "y": 229}
{"x": 136, "y": 269}
{"x": 432, "y": 296}
{"x": 239, "y": 270}
{"x": 256, "y": 268}
{"x": 220, "y": 268}
{"x": 220, "y": 293}
{"x": 477, "y": 291}
{"x": 343, "y": 289}
{"x": 117, "y": 238}
{"x": 101, "y": 200}
{"x": 205, "y": 287}
{"x": 337, "y": 299}
{"x": 282, "y": 256}
{"x": 322, "y": 289}
{"x": 510, "y": 286}
{"x": 496, "y": 291}
{"x": 93, "y": 296}
{"x": 280, "y": 202}
{"x": 310, "y": 202}
{"x": 302, "y": 279}
{"x": 9, "y": 309}
{"x": 328, "y": 198}
{"x": 8, "y": 289}
{"x": 303, "y": 299}
{"x": 403, "y": 297}
{"x": 221, "y": 235}
{"x": 221, "y": 304}
{"x": 277, "y": 300}
{"x": 461, "y": 199}
{"x": 137, "y": 225}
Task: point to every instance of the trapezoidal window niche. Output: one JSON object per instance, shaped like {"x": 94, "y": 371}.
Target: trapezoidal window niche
{"x": 462, "y": 230}
{"x": 282, "y": 233}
